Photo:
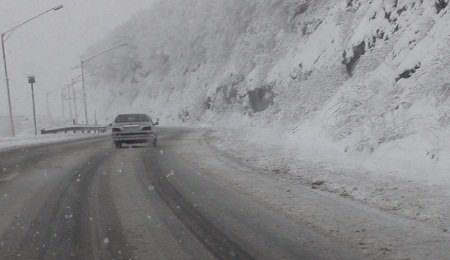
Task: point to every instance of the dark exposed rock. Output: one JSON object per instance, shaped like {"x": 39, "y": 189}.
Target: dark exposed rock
{"x": 401, "y": 10}
{"x": 440, "y": 4}
{"x": 261, "y": 98}
{"x": 350, "y": 63}
{"x": 407, "y": 73}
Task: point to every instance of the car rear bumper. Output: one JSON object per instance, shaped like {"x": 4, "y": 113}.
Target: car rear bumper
{"x": 133, "y": 137}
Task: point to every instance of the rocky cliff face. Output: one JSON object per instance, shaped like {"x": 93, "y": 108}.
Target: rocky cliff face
{"x": 368, "y": 72}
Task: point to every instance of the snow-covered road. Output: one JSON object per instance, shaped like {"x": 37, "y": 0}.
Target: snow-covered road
{"x": 85, "y": 199}
{"x": 377, "y": 209}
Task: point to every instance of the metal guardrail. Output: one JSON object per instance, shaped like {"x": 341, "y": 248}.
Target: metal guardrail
{"x": 75, "y": 129}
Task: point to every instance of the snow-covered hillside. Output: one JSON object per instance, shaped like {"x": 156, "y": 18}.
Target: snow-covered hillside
{"x": 362, "y": 74}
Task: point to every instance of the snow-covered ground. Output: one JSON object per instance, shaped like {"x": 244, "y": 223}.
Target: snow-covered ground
{"x": 414, "y": 187}
{"x": 370, "y": 76}
{"x": 31, "y": 139}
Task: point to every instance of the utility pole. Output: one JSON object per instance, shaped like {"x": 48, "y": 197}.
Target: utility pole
{"x": 62, "y": 102}
{"x": 32, "y": 80}
{"x": 70, "y": 103}
{"x": 74, "y": 101}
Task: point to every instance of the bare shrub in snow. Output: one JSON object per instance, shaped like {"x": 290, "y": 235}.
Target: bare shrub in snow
{"x": 369, "y": 114}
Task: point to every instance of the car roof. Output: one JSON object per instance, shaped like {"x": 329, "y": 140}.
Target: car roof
{"x": 132, "y": 114}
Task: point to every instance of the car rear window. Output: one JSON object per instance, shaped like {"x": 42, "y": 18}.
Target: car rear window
{"x": 131, "y": 118}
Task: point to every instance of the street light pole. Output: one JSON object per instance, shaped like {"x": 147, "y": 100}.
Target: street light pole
{"x": 82, "y": 75}
{"x": 11, "y": 120}
{"x": 3, "y": 39}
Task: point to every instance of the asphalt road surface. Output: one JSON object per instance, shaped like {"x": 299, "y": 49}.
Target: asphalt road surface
{"x": 85, "y": 199}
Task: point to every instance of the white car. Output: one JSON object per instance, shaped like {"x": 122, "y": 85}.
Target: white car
{"x": 133, "y": 128}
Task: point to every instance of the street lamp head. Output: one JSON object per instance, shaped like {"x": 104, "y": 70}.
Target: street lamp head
{"x": 57, "y": 7}
{"x": 31, "y": 79}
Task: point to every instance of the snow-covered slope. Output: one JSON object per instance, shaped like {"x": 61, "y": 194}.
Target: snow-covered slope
{"x": 359, "y": 73}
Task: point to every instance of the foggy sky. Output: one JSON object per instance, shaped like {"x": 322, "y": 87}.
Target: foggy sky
{"x": 51, "y": 45}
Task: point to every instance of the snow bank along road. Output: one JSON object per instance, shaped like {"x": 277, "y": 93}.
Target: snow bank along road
{"x": 84, "y": 199}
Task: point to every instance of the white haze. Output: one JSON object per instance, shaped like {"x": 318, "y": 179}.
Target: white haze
{"x": 51, "y": 45}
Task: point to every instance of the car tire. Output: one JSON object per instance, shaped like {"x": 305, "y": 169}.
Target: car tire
{"x": 118, "y": 145}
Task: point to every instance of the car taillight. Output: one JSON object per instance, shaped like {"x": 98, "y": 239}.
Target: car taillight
{"x": 115, "y": 130}
{"x": 147, "y": 128}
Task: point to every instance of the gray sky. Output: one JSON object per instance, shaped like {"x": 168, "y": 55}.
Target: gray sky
{"x": 49, "y": 46}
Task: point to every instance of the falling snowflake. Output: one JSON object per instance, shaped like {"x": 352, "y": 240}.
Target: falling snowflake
{"x": 106, "y": 241}
{"x": 170, "y": 174}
